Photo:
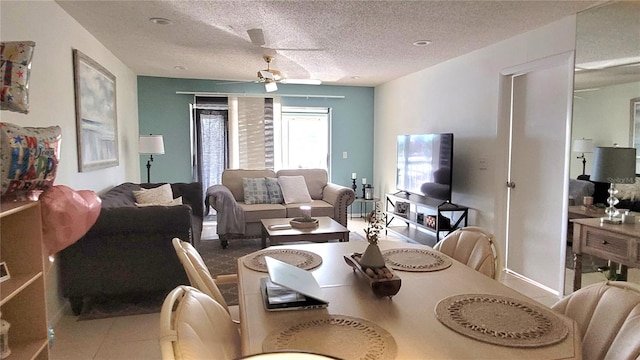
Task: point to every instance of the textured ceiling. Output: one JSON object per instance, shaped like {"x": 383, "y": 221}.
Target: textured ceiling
{"x": 608, "y": 36}
{"x": 363, "y": 43}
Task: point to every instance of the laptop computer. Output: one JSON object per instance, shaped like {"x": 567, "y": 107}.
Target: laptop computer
{"x": 290, "y": 288}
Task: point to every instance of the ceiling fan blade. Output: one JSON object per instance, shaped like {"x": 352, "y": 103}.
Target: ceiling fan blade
{"x": 256, "y": 36}
{"x": 301, "y": 81}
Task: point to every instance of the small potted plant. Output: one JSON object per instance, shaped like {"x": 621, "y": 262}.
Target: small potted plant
{"x": 372, "y": 257}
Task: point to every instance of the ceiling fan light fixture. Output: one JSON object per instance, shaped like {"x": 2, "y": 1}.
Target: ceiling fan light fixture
{"x": 160, "y": 21}
{"x": 301, "y": 81}
{"x": 421, "y": 42}
{"x": 270, "y": 86}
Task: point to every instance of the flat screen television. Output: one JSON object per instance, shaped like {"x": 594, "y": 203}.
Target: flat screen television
{"x": 425, "y": 164}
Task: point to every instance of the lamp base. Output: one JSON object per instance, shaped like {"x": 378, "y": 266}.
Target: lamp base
{"x": 611, "y": 220}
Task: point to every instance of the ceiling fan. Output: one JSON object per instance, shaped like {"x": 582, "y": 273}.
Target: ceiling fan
{"x": 270, "y": 77}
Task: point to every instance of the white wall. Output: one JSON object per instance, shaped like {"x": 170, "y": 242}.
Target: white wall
{"x": 51, "y": 98}
{"x": 462, "y": 96}
{"x": 603, "y": 115}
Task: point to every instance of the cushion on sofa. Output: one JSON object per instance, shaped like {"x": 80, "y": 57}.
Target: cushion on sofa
{"x": 294, "y": 189}
{"x": 318, "y": 208}
{"x": 629, "y": 191}
{"x": 255, "y": 191}
{"x": 175, "y": 202}
{"x": 232, "y": 179}
{"x": 159, "y": 195}
{"x": 256, "y": 212}
{"x": 316, "y": 180}
{"x": 274, "y": 190}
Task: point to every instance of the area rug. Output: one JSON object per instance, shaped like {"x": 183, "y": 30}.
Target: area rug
{"x": 219, "y": 261}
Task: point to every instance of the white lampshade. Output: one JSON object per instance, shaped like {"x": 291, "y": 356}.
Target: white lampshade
{"x": 614, "y": 165}
{"x": 583, "y": 145}
{"x": 151, "y": 145}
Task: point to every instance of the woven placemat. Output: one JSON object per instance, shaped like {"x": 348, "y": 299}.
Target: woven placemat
{"x": 341, "y": 336}
{"x": 501, "y": 320}
{"x": 416, "y": 260}
{"x": 301, "y": 258}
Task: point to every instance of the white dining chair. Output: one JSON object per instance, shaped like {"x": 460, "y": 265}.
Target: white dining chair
{"x": 608, "y": 317}
{"x": 472, "y": 246}
{"x": 200, "y": 276}
{"x": 193, "y": 326}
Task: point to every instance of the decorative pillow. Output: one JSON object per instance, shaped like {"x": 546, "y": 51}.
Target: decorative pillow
{"x": 274, "y": 191}
{"x": 158, "y": 195}
{"x": 629, "y": 191}
{"x": 28, "y": 157}
{"x": 175, "y": 202}
{"x": 294, "y": 189}
{"x": 16, "y": 68}
{"x": 255, "y": 191}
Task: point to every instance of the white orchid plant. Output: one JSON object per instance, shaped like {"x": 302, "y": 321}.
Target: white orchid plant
{"x": 375, "y": 221}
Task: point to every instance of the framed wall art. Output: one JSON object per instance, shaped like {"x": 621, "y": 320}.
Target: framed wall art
{"x": 96, "y": 115}
{"x": 402, "y": 208}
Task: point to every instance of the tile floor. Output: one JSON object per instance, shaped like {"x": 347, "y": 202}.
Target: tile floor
{"x": 136, "y": 337}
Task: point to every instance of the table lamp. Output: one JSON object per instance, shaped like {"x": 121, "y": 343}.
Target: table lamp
{"x": 615, "y": 165}
{"x": 583, "y": 146}
{"x": 150, "y": 145}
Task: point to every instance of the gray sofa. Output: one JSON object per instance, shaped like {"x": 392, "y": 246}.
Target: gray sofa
{"x": 236, "y": 219}
{"x": 128, "y": 250}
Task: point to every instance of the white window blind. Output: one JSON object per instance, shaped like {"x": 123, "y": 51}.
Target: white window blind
{"x": 251, "y": 132}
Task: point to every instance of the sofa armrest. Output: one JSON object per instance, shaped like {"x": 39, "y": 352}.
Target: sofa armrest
{"x": 230, "y": 214}
{"x": 151, "y": 219}
{"x": 340, "y": 197}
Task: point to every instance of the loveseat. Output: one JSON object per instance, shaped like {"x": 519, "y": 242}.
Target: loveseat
{"x": 238, "y": 218}
{"x": 129, "y": 250}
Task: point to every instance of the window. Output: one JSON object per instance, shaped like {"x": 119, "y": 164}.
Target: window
{"x": 303, "y": 136}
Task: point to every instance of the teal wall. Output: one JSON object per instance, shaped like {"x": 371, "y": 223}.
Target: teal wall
{"x": 162, "y": 111}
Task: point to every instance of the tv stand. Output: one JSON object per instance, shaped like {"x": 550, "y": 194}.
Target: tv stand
{"x": 415, "y": 228}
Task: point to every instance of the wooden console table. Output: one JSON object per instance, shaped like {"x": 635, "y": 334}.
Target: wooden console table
{"x": 617, "y": 242}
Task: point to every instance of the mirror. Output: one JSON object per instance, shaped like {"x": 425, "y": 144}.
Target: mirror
{"x": 606, "y": 103}
{"x": 607, "y": 77}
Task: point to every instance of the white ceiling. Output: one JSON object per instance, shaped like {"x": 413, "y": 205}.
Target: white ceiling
{"x": 364, "y": 43}
{"x": 608, "y": 44}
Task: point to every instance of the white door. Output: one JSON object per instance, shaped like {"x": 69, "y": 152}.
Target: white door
{"x": 538, "y": 171}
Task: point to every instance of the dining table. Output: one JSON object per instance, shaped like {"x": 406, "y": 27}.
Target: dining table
{"x": 408, "y": 325}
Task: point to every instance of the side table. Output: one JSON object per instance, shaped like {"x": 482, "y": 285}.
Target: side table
{"x": 616, "y": 242}
{"x": 363, "y": 206}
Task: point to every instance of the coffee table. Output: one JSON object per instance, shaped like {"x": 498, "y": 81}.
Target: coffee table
{"x": 328, "y": 229}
